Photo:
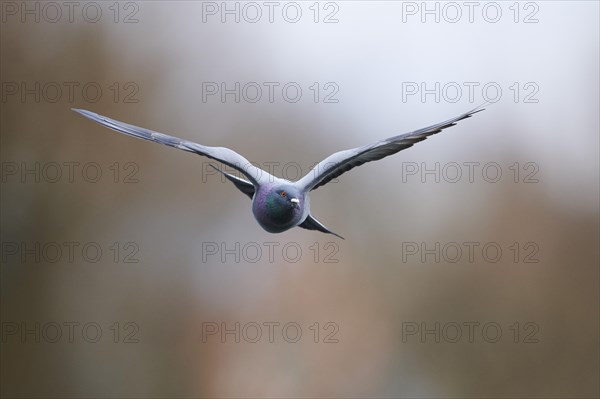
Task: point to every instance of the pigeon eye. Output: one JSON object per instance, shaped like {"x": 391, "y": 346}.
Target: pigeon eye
{"x": 283, "y": 194}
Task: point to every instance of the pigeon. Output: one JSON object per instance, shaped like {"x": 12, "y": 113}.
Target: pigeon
{"x": 278, "y": 204}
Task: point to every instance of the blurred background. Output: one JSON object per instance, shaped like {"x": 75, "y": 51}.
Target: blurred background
{"x": 130, "y": 269}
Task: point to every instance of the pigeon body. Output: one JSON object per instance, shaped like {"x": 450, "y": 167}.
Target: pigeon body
{"x": 277, "y": 204}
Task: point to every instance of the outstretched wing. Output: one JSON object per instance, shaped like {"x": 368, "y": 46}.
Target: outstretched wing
{"x": 341, "y": 162}
{"x": 221, "y": 154}
{"x": 241, "y": 184}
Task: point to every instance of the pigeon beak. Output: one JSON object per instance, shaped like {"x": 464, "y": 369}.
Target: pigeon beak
{"x": 295, "y": 201}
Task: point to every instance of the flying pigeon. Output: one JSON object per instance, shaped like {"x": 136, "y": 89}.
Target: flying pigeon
{"x": 279, "y": 204}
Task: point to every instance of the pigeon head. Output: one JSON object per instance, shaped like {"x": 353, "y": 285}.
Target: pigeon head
{"x": 283, "y": 203}
{"x": 279, "y": 207}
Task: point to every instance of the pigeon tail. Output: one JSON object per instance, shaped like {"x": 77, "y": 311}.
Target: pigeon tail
{"x": 310, "y": 223}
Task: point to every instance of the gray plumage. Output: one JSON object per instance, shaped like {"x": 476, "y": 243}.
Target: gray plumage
{"x": 278, "y": 204}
